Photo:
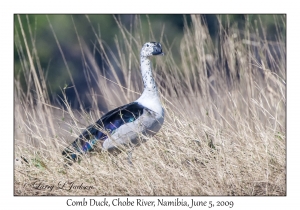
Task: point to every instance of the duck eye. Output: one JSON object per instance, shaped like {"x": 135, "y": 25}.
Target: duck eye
{"x": 147, "y": 45}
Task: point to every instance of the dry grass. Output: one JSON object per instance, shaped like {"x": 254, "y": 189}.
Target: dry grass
{"x": 224, "y": 132}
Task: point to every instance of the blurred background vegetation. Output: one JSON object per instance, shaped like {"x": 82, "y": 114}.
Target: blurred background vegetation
{"x": 41, "y": 30}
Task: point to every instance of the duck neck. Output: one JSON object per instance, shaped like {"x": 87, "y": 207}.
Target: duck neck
{"x": 148, "y": 80}
{"x": 149, "y": 97}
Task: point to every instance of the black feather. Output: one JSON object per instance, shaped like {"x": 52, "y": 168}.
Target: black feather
{"x": 97, "y": 132}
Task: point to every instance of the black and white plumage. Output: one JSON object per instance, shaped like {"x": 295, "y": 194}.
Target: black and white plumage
{"x": 123, "y": 125}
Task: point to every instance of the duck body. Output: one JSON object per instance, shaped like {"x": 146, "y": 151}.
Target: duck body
{"x": 126, "y": 124}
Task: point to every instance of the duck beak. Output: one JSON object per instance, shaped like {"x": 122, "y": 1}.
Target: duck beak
{"x": 157, "y": 51}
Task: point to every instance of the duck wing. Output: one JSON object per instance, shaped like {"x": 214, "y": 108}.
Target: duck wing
{"x": 106, "y": 125}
